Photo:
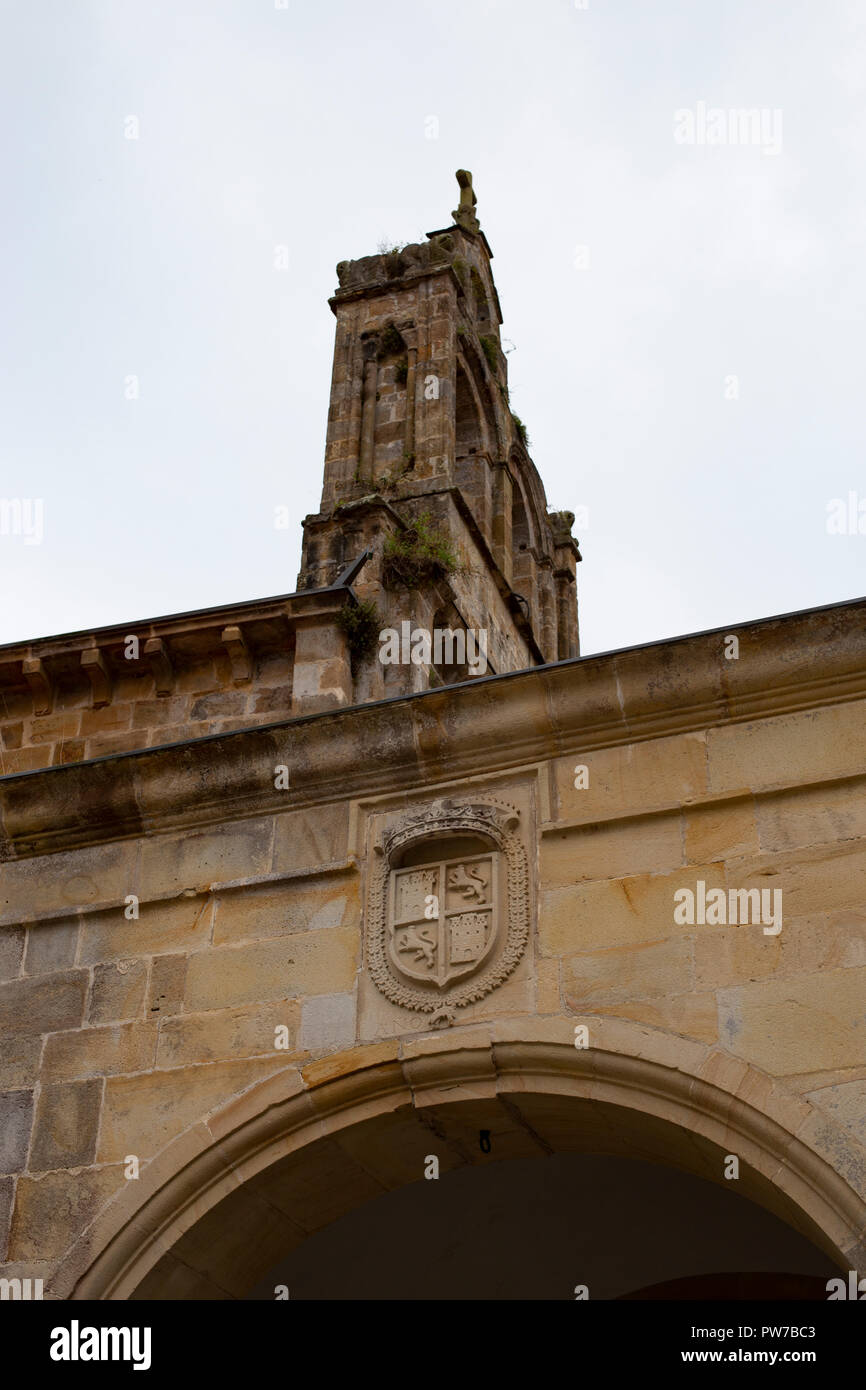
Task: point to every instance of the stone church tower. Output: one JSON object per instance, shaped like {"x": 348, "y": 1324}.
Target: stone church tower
{"x": 425, "y": 461}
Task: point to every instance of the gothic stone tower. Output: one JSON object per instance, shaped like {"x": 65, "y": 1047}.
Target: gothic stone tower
{"x": 422, "y": 445}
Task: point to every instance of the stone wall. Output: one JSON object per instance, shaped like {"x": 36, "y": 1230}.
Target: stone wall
{"x": 248, "y": 954}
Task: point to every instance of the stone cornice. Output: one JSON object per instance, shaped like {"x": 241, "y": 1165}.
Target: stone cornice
{"x": 795, "y": 662}
{"x": 391, "y": 284}
{"x": 268, "y": 621}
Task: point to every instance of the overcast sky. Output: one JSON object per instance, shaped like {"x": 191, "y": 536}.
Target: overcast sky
{"x": 686, "y": 319}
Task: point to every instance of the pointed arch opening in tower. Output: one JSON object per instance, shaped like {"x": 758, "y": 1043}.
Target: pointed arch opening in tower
{"x": 470, "y": 437}
{"x": 520, "y": 532}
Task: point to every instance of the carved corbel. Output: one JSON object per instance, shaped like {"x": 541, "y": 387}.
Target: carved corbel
{"x": 41, "y": 684}
{"x": 239, "y": 655}
{"x": 94, "y": 667}
{"x": 159, "y": 660}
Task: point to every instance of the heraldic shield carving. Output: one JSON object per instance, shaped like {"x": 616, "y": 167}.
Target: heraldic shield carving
{"x": 448, "y": 905}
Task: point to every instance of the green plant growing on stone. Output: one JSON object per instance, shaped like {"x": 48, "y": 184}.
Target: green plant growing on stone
{"x": 418, "y": 557}
{"x": 401, "y": 372}
{"x": 521, "y": 430}
{"x": 491, "y": 352}
{"x": 386, "y": 482}
{"x": 482, "y": 309}
{"x": 390, "y": 342}
{"x": 361, "y": 623}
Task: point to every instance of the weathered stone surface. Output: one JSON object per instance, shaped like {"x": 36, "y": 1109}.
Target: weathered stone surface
{"x": 846, "y": 1102}
{"x": 142, "y": 1113}
{"x": 547, "y": 991}
{"x": 108, "y": 719}
{"x": 650, "y": 971}
{"x": 343, "y": 1064}
{"x": 228, "y": 1034}
{"x": 50, "y": 1211}
{"x": 275, "y": 703}
{"x": 688, "y": 1015}
{"x": 19, "y": 1060}
{"x": 104, "y": 873}
{"x": 167, "y": 985}
{"x": 611, "y": 850}
{"x": 293, "y": 906}
{"x": 51, "y": 947}
{"x": 720, "y": 830}
{"x": 319, "y": 962}
{"x": 799, "y": 1024}
{"x": 812, "y": 880}
{"x": 44, "y": 1004}
{"x": 590, "y": 916}
{"x": 51, "y": 727}
{"x": 740, "y": 955}
{"x": 789, "y": 749}
{"x": 328, "y": 1022}
{"x": 16, "y": 1118}
{"x": 99, "y": 1051}
{"x": 219, "y": 703}
{"x": 174, "y": 864}
{"x": 11, "y": 951}
{"x": 633, "y": 777}
{"x": 155, "y": 714}
{"x": 176, "y": 924}
{"x": 7, "y": 1197}
{"x": 310, "y": 839}
{"x": 67, "y": 1122}
{"x": 117, "y": 991}
{"x": 26, "y": 759}
{"x": 10, "y": 736}
{"x": 813, "y": 815}
{"x": 832, "y": 1144}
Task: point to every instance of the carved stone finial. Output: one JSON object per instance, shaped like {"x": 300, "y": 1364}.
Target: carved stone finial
{"x": 464, "y": 216}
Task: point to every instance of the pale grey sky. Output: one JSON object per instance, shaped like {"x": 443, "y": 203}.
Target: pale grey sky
{"x": 309, "y": 126}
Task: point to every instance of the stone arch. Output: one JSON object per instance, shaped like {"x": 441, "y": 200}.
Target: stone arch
{"x": 448, "y": 617}
{"x": 528, "y": 487}
{"x": 526, "y": 521}
{"x": 476, "y": 406}
{"x": 483, "y": 312}
{"x": 678, "y": 1100}
{"x": 470, "y": 426}
{"x": 522, "y": 531}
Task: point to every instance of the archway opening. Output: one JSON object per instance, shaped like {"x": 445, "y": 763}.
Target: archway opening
{"x": 621, "y": 1199}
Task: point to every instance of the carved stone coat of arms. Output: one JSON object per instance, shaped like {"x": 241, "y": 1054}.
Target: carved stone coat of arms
{"x": 445, "y": 927}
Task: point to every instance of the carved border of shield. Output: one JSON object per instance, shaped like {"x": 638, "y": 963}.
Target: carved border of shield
{"x": 497, "y": 820}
